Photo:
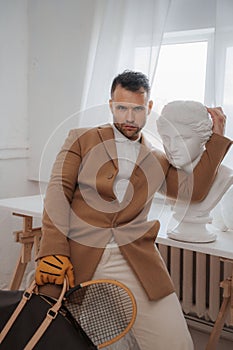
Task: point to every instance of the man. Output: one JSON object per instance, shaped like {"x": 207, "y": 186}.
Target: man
{"x": 95, "y": 218}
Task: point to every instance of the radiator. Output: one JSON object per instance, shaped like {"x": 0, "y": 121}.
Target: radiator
{"x": 197, "y": 278}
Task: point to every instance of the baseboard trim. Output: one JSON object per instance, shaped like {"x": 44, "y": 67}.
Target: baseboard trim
{"x": 206, "y": 327}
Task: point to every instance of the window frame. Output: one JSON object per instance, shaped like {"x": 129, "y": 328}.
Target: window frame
{"x": 192, "y": 36}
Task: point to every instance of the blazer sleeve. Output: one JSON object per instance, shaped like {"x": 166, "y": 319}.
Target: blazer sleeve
{"x": 195, "y": 186}
{"x": 59, "y": 194}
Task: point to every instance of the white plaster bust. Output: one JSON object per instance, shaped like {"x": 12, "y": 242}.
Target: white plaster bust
{"x": 185, "y": 127}
{"x": 192, "y": 223}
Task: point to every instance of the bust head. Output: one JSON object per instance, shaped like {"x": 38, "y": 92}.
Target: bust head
{"x": 185, "y": 127}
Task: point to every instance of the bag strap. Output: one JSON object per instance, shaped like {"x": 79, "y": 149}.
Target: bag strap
{"x": 51, "y": 315}
{"x": 26, "y": 296}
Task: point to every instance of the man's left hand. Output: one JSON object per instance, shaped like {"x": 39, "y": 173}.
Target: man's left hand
{"x": 219, "y": 120}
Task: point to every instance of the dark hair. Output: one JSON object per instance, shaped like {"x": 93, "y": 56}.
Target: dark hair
{"x": 132, "y": 81}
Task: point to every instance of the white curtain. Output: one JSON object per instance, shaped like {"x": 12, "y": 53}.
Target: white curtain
{"x": 119, "y": 27}
{"x": 224, "y": 65}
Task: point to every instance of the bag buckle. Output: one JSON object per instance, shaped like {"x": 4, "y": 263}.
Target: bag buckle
{"x": 27, "y": 295}
{"x": 52, "y": 314}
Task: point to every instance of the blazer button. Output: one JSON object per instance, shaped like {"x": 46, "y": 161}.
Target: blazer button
{"x": 110, "y": 176}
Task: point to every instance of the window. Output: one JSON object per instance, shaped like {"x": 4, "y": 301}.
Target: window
{"x": 228, "y": 88}
{"x": 186, "y": 70}
{"x": 182, "y": 67}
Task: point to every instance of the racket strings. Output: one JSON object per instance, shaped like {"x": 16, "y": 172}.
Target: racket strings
{"x": 103, "y": 310}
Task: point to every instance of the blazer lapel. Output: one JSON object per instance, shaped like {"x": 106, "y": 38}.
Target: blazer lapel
{"x": 144, "y": 151}
{"x": 107, "y": 136}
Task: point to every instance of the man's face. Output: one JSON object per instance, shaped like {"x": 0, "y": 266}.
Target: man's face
{"x": 130, "y": 110}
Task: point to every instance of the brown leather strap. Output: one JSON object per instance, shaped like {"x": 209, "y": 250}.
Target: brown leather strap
{"x": 51, "y": 315}
{"x": 26, "y": 296}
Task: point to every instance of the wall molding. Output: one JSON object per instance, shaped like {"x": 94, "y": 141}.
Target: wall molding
{"x": 14, "y": 153}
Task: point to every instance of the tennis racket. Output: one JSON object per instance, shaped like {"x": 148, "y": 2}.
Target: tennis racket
{"x": 105, "y": 309}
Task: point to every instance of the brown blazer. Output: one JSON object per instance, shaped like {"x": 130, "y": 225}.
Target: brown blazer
{"x": 82, "y": 213}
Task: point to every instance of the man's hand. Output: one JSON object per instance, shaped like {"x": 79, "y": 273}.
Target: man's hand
{"x": 53, "y": 269}
{"x": 219, "y": 120}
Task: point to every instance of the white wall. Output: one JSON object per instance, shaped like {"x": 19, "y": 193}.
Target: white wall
{"x": 14, "y": 125}
{"x": 14, "y": 140}
{"x": 191, "y": 14}
{"x": 13, "y": 83}
{"x": 60, "y": 33}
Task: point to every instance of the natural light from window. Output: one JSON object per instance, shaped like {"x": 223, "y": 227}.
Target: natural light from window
{"x": 228, "y": 83}
{"x": 180, "y": 74}
{"x": 227, "y": 100}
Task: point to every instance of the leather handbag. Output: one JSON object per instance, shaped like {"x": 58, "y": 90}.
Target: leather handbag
{"x": 29, "y": 320}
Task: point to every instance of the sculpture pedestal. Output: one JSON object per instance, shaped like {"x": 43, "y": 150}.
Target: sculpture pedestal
{"x": 190, "y": 232}
{"x": 190, "y": 224}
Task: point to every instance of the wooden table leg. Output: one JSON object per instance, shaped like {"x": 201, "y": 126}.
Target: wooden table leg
{"x": 18, "y": 274}
{"x": 219, "y": 323}
{"x": 227, "y": 286}
{"x": 27, "y": 237}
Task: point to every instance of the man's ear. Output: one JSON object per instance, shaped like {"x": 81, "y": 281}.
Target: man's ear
{"x": 150, "y": 105}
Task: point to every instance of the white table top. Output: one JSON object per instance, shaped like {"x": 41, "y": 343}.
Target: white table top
{"x": 28, "y": 205}
{"x": 222, "y": 247}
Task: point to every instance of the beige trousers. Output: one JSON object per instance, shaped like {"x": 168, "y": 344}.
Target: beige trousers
{"x": 159, "y": 325}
